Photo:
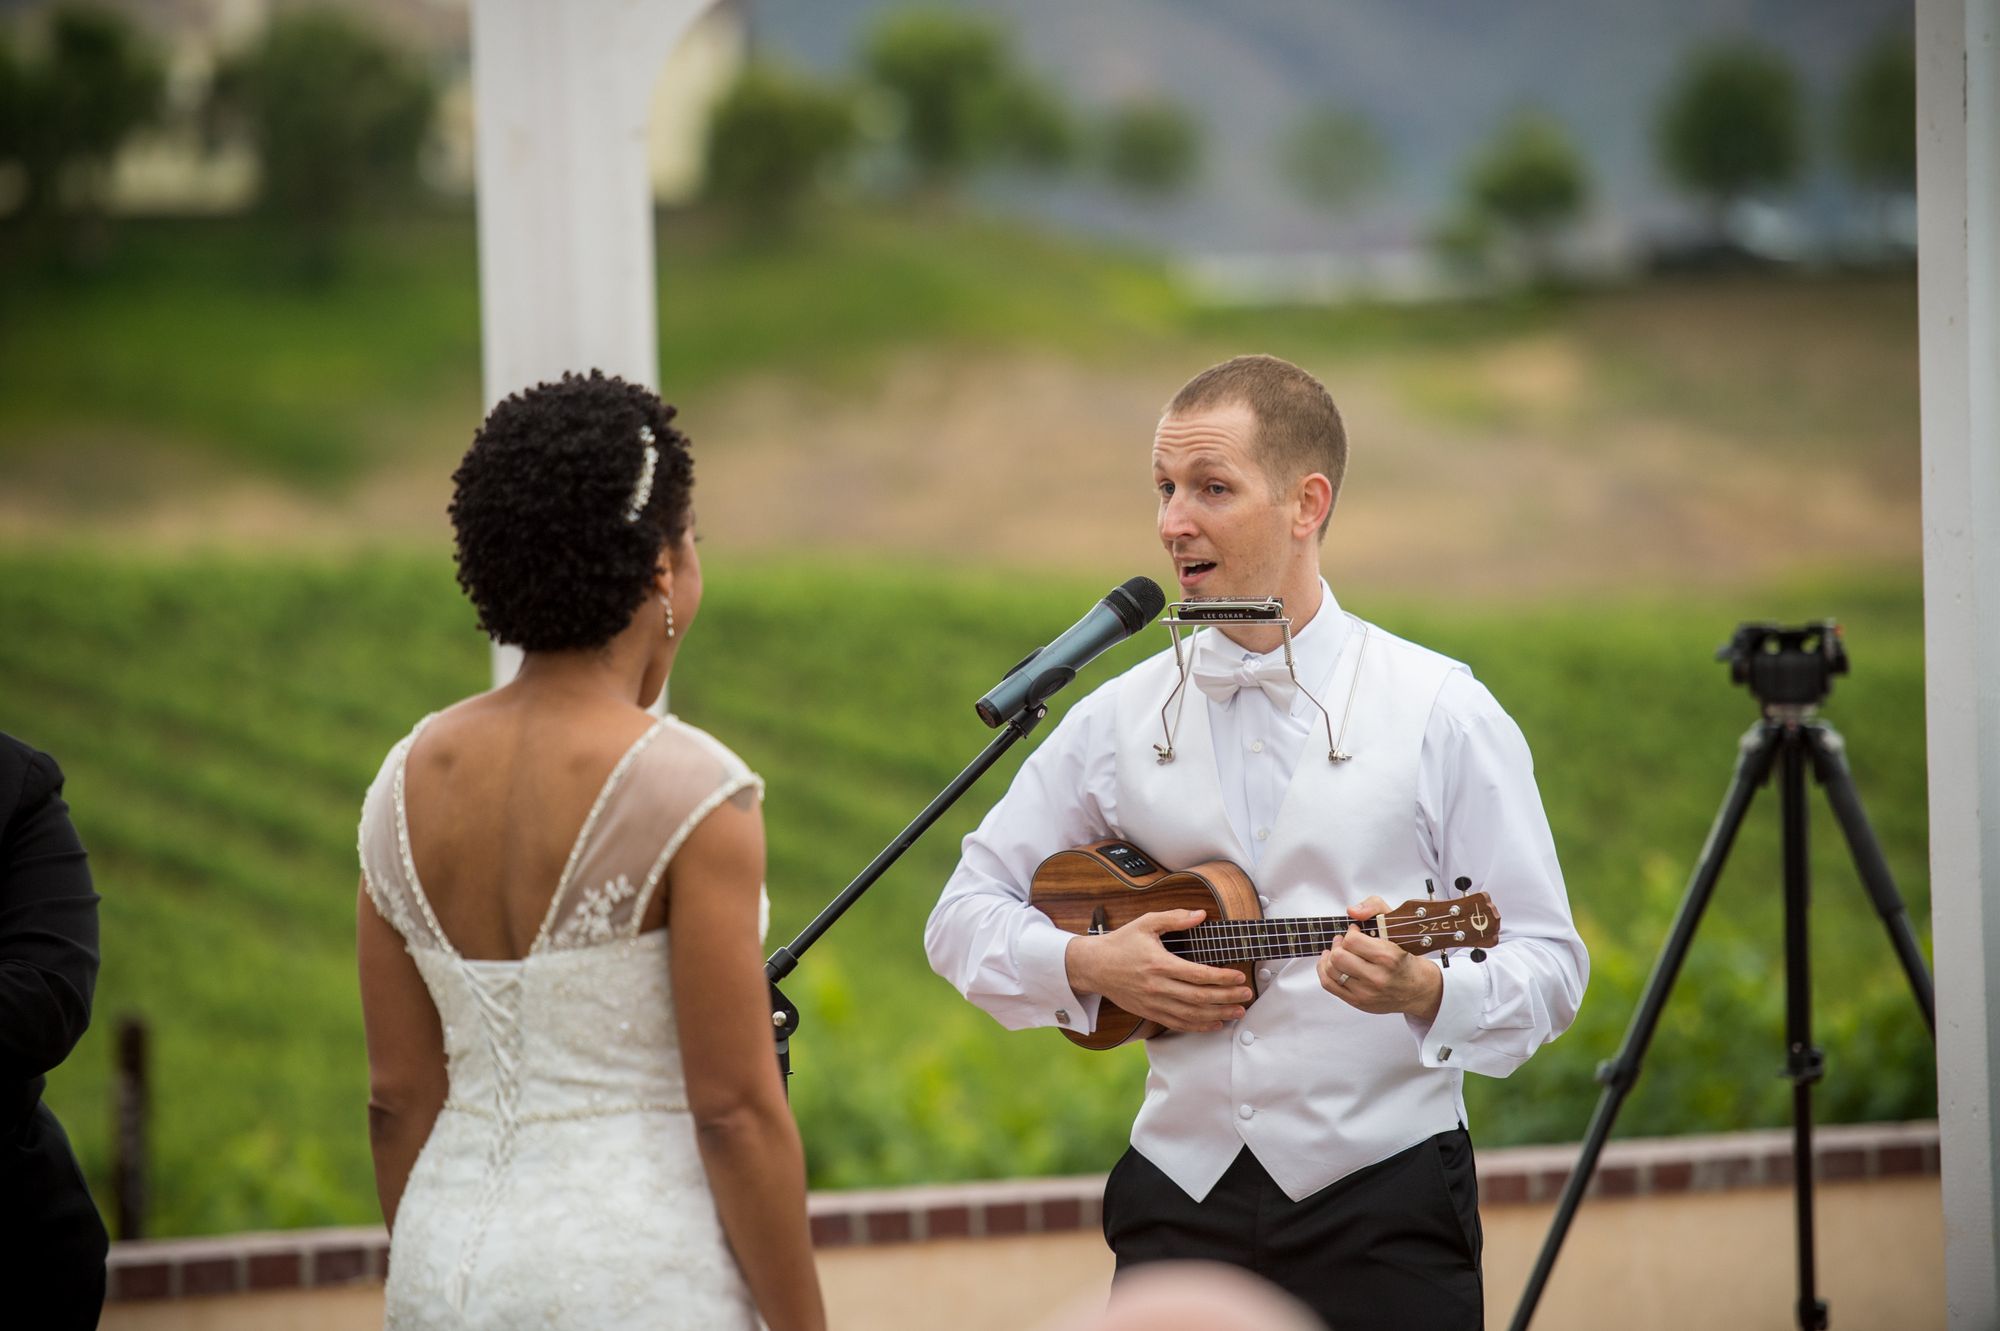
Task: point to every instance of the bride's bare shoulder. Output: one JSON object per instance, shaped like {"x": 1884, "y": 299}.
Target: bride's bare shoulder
{"x": 490, "y": 730}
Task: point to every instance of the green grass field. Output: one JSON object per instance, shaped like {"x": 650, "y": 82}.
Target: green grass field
{"x": 220, "y": 717}
{"x": 197, "y": 342}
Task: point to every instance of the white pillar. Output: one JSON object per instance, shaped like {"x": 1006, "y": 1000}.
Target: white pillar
{"x": 1958, "y": 203}
{"x": 561, "y": 93}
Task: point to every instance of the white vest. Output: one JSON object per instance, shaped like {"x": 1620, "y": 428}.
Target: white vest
{"x": 1314, "y": 1087}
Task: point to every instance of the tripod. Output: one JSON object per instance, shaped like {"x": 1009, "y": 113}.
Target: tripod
{"x": 1790, "y": 672}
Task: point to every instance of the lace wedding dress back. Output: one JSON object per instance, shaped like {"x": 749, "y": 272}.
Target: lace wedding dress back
{"x": 561, "y": 1186}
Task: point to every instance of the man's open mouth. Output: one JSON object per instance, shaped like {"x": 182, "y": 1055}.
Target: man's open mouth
{"x": 1193, "y": 571}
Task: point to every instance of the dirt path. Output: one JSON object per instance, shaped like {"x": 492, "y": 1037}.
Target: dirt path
{"x": 1032, "y": 463}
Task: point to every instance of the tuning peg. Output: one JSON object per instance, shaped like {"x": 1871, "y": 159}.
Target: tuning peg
{"x": 1462, "y": 883}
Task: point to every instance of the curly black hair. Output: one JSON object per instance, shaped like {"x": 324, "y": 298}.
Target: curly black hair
{"x": 545, "y": 550}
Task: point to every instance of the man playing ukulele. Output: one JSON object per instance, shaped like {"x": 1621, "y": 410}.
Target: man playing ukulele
{"x": 1316, "y": 1137}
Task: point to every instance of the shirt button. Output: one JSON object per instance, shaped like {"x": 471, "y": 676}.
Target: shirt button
{"x": 1263, "y": 902}
{"x": 1444, "y": 1054}
{"x": 1263, "y": 834}
{"x": 1248, "y": 1037}
{"x": 1256, "y": 746}
{"x": 1244, "y": 1111}
{"x": 1062, "y": 1016}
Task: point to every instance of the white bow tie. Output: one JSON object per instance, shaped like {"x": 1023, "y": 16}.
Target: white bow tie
{"x": 1274, "y": 677}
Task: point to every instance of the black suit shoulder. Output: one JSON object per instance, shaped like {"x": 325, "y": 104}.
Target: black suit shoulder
{"x": 48, "y": 919}
{"x": 28, "y": 778}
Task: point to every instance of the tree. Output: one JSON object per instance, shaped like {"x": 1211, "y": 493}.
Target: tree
{"x": 1027, "y": 124}
{"x": 1729, "y": 125}
{"x": 1333, "y": 157}
{"x": 337, "y": 116}
{"x": 773, "y": 141}
{"x": 1878, "y": 116}
{"x": 1529, "y": 182}
{"x": 73, "y": 109}
{"x": 1151, "y": 146}
{"x": 937, "y": 67}
{"x": 962, "y": 101}
{"x": 13, "y": 101}
{"x": 1464, "y": 242}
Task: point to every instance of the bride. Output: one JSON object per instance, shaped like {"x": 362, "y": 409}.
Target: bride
{"x": 574, "y": 1105}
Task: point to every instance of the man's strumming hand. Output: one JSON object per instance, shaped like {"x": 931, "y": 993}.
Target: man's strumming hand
{"x": 1132, "y": 968}
{"x": 1375, "y": 975}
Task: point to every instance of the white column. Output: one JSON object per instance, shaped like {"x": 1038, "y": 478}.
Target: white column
{"x": 1958, "y": 203}
{"x": 561, "y": 93}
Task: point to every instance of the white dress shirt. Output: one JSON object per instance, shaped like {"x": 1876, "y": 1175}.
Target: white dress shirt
{"x": 1476, "y": 813}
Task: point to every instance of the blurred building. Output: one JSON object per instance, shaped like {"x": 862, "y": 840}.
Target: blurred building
{"x": 177, "y": 167}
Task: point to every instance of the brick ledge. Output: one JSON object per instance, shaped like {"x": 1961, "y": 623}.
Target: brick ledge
{"x": 1650, "y": 1167}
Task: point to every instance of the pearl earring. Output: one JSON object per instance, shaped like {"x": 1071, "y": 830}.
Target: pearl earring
{"x": 668, "y": 602}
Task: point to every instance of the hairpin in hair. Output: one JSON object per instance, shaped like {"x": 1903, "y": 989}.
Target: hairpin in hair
{"x": 644, "y": 489}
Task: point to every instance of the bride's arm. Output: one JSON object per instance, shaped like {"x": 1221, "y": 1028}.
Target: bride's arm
{"x": 406, "y": 1067}
{"x": 749, "y": 1142}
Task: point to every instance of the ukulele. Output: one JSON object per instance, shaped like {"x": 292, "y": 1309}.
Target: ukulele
{"x": 1105, "y": 885}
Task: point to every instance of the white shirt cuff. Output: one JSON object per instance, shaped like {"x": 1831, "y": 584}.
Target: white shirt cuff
{"x": 1040, "y": 952}
{"x": 1448, "y": 1038}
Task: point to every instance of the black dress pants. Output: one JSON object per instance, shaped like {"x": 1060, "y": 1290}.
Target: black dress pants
{"x": 1393, "y": 1247}
{"x": 52, "y": 1244}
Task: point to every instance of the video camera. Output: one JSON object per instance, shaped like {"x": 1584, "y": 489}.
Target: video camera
{"x": 1786, "y": 667}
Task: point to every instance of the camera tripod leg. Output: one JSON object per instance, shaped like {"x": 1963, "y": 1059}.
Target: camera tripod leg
{"x": 1804, "y": 1063}
{"x": 1753, "y": 767}
{"x": 1830, "y": 767}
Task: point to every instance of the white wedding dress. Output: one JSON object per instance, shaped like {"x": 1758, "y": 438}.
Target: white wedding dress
{"x": 561, "y": 1186}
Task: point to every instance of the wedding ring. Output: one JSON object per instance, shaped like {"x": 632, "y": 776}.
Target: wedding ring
{"x": 1342, "y": 980}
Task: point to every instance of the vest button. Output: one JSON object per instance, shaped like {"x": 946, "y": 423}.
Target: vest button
{"x": 1264, "y": 974}
{"x": 1244, "y": 1111}
{"x": 1248, "y": 1037}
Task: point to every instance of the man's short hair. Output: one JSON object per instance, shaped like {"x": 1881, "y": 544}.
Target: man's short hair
{"x": 1298, "y": 427}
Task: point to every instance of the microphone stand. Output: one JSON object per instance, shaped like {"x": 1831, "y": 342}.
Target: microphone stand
{"x": 784, "y": 1013}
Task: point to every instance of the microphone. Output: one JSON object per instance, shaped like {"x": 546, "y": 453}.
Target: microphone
{"x": 1123, "y": 612}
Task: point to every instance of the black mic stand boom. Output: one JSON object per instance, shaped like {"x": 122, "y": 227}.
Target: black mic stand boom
{"x": 784, "y": 1013}
{"x": 1013, "y": 707}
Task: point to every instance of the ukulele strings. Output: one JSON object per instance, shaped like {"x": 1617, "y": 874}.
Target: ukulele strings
{"x": 1239, "y": 940}
{"x": 1216, "y": 927}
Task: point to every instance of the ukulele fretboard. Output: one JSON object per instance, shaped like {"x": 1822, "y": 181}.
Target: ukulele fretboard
{"x": 1223, "y": 941}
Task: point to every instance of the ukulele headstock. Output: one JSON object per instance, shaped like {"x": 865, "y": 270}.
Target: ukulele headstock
{"x": 1431, "y": 925}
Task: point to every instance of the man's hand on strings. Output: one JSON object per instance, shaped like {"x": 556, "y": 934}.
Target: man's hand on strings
{"x": 1132, "y": 968}
{"x": 1375, "y": 975}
